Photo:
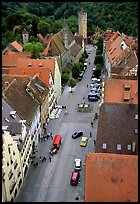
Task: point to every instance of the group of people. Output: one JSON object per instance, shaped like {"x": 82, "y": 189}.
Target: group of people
{"x": 45, "y": 137}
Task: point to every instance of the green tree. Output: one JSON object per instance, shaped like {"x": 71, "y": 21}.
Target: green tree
{"x": 64, "y": 78}
{"x": 35, "y": 53}
{"x": 75, "y": 71}
{"x": 34, "y": 48}
{"x": 43, "y": 28}
{"x": 72, "y": 83}
{"x": 33, "y": 39}
{"x": 98, "y": 59}
{"x": 97, "y": 72}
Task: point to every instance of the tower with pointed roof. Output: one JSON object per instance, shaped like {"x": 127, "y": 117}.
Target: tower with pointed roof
{"x": 82, "y": 23}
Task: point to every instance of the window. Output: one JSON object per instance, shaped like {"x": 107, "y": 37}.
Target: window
{"x": 129, "y": 147}
{"x": 127, "y": 88}
{"x": 126, "y": 100}
{"x": 10, "y": 174}
{"x": 104, "y": 146}
{"x": 118, "y": 146}
{"x": 136, "y": 116}
{"x": 136, "y": 130}
{"x": 9, "y": 150}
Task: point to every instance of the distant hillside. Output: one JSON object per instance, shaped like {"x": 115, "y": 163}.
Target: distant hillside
{"x": 121, "y": 16}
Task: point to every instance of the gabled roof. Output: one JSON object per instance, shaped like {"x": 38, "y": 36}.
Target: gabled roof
{"x": 116, "y": 126}
{"x": 114, "y": 50}
{"x": 42, "y": 73}
{"x": 111, "y": 178}
{"x": 56, "y": 44}
{"x": 75, "y": 49}
{"x": 17, "y": 97}
{"x": 114, "y": 90}
{"x": 38, "y": 89}
{"x": 17, "y": 46}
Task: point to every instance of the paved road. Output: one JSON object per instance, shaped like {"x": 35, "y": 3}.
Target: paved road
{"x": 50, "y": 181}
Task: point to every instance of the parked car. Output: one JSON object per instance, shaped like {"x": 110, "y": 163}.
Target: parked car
{"x": 77, "y": 134}
{"x": 77, "y": 164}
{"x": 75, "y": 176}
{"x": 83, "y": 141}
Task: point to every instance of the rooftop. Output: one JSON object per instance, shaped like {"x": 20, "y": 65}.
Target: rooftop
{"x": 111, "y": 178}
{"x": 117, "y": 129}
{"x": 118, "y": 85}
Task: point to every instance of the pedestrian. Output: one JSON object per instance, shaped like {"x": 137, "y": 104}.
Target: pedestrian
{"x": 44, "y": 158}
{"x": 94, "y": 142}
{"x": 51, "y": 135}
{"x": 50, "y": 159}
{"x": 92, "y": 124}
{"x": 40, "y": 158}
{"x": 36, "y": 163}
{"x": 87, "y": 85}
{"x": 90, "y": 134}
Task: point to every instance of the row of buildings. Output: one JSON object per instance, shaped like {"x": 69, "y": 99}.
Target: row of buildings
{"x": 112, "y": 171}
{"x": 31, "y": 89}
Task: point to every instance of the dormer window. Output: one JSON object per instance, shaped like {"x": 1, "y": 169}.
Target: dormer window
{"x": 136, "y": 130}
{"x": 29, "y": 64}
{"x": 129, "y": 147}
{"x": 40, "y": 65}
{"x": 104, "y": 146}
{"x": 118, "y": 146}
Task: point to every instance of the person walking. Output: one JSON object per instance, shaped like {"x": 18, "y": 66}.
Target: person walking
{"x": 90, "y": 134}
{"x": 50, "y": 159}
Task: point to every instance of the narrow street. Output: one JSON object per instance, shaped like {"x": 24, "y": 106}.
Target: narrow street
{"x": 50, "y": 181}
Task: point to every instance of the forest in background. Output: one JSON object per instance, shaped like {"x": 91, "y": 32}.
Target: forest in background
{"x": 50, "y": 17}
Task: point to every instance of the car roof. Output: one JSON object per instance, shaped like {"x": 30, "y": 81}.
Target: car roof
{"x": 74, "y": 174}
{"x": 77, "y": 159}
{"x": 84, "y": 138}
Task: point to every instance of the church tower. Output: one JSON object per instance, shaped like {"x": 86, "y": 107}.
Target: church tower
{"x": 82, "y": 22}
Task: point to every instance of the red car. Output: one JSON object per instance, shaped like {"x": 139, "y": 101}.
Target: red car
{"x": 75, "y": 176}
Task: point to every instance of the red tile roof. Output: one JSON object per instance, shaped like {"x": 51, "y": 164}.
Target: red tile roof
{"x": 111, "y": 178}
{"x": 17, "y": 46}
{"x": 10, "y": 58}
{"x": 114, "y": 90}
{"x": 42, "y": 73}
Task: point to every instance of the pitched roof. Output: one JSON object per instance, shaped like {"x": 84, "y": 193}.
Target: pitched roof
{"x": 117, "y": 125}
{"x": 17, "y": 46}
{"x": 10, "y": 58}
{"x": 78, "y": 38}
{"x": 38, "y": 89}
{"x": 42, "y": 73}
{"x": 114, "y": 49}
{"x": 75, "y": 49}
{"x": 114, "y": 90}
{"x": 22, "y": 103}
{"x": 111, "y": 178}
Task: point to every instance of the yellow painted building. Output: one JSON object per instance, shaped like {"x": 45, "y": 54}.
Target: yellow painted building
{"x": 12, "y": 176}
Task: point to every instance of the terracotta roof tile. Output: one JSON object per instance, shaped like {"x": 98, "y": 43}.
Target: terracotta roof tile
{"x": 43, "y": 73}
{"x": 10, "y": 58}
{"x": 117, "y": 125}
{"x": 17, "y": 46}
{"x": 111, "y": 178}
{"x": 114, "y": 90}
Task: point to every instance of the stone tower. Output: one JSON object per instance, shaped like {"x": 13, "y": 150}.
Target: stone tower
{"x": 82, "y": 22}
{"x": 25, "y": 36}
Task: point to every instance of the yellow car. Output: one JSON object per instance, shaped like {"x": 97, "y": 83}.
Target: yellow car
{"x": 83, "y": 141}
